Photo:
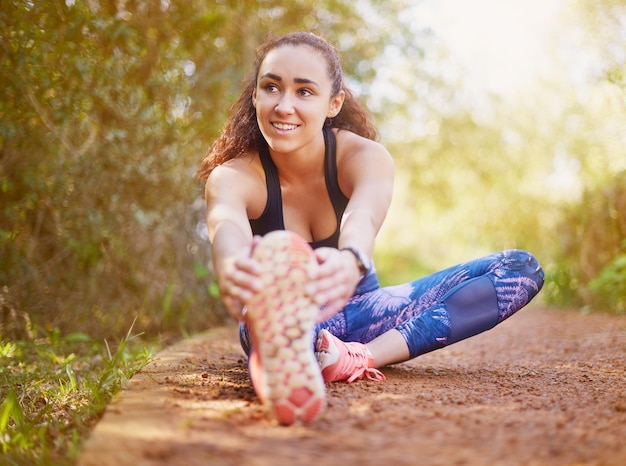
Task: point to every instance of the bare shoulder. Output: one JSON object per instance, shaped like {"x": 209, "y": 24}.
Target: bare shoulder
{"x": 362, "y": 162}
{"x": 239, "y": 179}
{"x": 355, "y": 152}
{"x": 352, "y": 146}
{"x": 243, "y": 169}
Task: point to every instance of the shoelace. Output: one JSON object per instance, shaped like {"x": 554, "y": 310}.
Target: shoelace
{"x": 358, "y": 364}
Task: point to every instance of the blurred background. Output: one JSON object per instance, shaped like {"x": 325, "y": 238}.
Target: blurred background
{"x": 506, "y": 120}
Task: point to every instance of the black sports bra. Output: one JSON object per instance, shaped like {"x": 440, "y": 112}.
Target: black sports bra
{"x": 272, "y": 217}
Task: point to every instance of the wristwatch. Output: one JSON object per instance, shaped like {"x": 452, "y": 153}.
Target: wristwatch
{"x": 363, "y": 262}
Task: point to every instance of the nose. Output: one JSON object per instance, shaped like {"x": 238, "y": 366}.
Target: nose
{"x": 285, "y": 104}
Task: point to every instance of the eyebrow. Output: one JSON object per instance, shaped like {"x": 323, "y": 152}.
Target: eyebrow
{"x": 297, "y": 80}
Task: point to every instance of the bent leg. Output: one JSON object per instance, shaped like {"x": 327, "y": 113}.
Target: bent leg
{"x": 477, "y": 304}
{"x": 445, "y": 307}
{"x": 467, "y": 310}
{"x": 472, "y": 308}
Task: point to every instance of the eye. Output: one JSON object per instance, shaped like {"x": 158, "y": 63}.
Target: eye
{"x": 271, "y": 87}
{"x": 305, "y": 92}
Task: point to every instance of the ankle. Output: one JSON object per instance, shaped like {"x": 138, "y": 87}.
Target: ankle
{"x": 344, "y": 361}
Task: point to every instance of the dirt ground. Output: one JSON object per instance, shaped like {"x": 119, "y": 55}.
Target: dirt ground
{"x": 546, "y": 387}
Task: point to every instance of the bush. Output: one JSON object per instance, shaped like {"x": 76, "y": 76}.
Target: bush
{"x": 106, "y": 109}
{"x": 590, "y": 262}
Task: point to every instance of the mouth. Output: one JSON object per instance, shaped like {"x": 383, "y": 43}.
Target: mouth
{"x": 284, "y": 126}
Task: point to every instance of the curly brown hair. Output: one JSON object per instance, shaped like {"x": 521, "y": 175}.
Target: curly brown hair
{"x": 242, "y": 134}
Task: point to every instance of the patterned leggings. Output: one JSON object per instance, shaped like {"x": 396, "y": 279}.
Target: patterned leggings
{"x": 441, "y": 308}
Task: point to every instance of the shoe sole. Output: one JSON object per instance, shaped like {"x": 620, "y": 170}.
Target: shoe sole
{"x": 283, "y": 366}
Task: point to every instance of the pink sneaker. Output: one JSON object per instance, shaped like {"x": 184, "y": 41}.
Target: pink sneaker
{"x": 283, "y": 368}
{"x": 344, "y": 361}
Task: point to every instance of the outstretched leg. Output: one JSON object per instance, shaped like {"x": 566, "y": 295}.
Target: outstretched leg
{"x": 281, "y": 320}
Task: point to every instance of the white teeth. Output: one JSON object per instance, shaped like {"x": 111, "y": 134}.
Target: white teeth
{"x": 284, "y": 126}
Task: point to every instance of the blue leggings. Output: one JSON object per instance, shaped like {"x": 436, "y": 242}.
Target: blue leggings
{"x": 441, "y": 308}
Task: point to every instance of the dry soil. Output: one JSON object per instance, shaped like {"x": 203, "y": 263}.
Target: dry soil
{"x": 546, "y": 387}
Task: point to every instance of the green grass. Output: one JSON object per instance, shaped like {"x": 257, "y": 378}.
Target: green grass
{"x": 54, "y": 388}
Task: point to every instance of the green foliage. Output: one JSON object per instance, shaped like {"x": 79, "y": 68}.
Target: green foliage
{"x": 603, "y": 20}
{"x": 590, "y": 261}
{"x": 54, "y": 388}
{"x": 502, "y": 173}
{"x": 106, "y": 109}
{"x": 474, "y": 186}
{"x": 610, "y": 285}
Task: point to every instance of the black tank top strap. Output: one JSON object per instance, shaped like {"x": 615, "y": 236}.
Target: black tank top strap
{"x": 337, "y": 198}
{"x": 272, "y": 217}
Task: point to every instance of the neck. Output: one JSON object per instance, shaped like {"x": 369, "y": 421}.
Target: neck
{"x": 304, "y": 162}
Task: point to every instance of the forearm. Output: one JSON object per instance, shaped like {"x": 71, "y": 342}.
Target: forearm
{"x": 228, "y": 240}
{"x": 236, "y": 272}
{"x": 359, "y": 229}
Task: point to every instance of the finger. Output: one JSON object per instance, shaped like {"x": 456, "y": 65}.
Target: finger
{"x": 329, "y": 289}
{"x": 324, "y": 257}
{"x": 337, "y": 293}
{"x": 242, "y": 294}
{"x": 249, "y": 265}
{"x": 237, "y": 278}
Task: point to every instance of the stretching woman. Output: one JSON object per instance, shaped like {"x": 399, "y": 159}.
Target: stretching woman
{"x": 297, "y": 190}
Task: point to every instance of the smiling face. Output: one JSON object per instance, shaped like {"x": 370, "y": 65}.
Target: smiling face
{"x": 293, "y": 98}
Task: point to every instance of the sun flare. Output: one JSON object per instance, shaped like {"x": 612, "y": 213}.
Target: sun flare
{"x": 501, "y": 45}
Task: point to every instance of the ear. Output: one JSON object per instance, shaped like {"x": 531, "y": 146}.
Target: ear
{"x": 254, "y": 98}
{"x": 335, "y": 104}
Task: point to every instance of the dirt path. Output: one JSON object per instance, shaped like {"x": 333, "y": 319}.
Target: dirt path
{"x": 544, "y": 388}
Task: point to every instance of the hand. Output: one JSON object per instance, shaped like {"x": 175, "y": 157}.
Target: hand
{"x": 239, "y": 280}
{"x": 334, "y": 281}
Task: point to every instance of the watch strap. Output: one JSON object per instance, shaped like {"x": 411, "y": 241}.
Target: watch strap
{"x": 363, "y": 262}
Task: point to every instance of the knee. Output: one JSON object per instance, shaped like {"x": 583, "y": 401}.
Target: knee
{"x": 525, "y": 264}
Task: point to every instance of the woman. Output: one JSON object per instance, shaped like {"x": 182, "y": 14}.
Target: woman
{"x": 297, "y": 190}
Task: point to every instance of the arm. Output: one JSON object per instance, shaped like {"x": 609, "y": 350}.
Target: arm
{"x": 366, "y": 175}
{"x": 227, "y": 194}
